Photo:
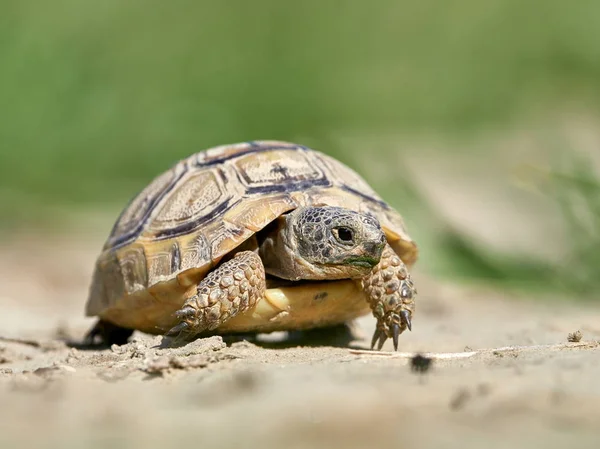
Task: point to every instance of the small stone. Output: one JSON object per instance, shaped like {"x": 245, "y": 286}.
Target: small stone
{"x": 118, "y": 349}
{"x": 158, "y": 365}
{"x": 67, "y": 368}
{"x": 199, "y": 346}
{"x": 420, "y": 363}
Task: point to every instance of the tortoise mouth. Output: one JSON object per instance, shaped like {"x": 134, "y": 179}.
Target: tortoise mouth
{"x": 362, "y": 261}
{"x": 276, "y": 282}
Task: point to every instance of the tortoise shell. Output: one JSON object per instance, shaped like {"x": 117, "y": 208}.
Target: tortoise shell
{"x": 191, "y": 216}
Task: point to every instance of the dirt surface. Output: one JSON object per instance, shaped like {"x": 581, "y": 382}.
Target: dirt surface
{"x": 296, "y": 392}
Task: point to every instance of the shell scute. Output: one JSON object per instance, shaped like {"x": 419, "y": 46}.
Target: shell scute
{"x": 256, "y": 211}
{"x": 132, "y": 261}
{"x": 136, "y": 214}
{"x": 196, "y": 196}
{"x": 266, "y": 172}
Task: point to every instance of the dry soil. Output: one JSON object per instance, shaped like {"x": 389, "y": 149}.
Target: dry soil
{"x": 297, "y": 392}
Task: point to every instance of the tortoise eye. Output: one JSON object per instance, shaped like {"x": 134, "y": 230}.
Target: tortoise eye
{"x": 345, "y": 234}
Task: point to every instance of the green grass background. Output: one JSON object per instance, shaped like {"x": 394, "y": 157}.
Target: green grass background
{"x": 97, "y": 97}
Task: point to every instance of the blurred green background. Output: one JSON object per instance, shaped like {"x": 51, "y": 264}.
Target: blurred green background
{"x": 457, "y": 112}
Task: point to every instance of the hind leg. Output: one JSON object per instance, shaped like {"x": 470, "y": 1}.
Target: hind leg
{"x": 105, "y": 333}
{"x": 234, "y": 287}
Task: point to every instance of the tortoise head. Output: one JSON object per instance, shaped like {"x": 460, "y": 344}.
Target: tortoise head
{"x": 333, "y": 242}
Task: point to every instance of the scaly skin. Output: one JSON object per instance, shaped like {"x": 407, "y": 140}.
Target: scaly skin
{"x": 232, "y": 288}
{"x": 390, "y": 292}
{"x": 325, "y": 243}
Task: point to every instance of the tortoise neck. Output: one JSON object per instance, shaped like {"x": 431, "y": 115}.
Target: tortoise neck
{"x": 277, "y": 251}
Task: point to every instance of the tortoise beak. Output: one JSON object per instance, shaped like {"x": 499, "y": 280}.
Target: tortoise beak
{"x": 374, "y": 250}
{"x": 365, "y": 262}
{"x": 369, "y": 256}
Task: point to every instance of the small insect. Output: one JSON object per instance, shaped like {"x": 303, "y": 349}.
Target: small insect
{"x": 420, "y": 363}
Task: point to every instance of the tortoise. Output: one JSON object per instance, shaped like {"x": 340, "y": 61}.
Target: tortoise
{"x": 251, "y": 238}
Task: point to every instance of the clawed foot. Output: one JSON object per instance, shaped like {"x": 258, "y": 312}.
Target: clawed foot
{"x": 233, "y": 287}
{"x": 391, "y": 326}
{"x": 183, "y": 330}
{"x": 391, "y": 294}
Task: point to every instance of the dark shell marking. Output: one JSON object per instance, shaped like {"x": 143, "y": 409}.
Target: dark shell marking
{"x": 175, "y": 257}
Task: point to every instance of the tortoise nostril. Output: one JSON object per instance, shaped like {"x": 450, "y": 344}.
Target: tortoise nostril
{"x": 374, "y": 248}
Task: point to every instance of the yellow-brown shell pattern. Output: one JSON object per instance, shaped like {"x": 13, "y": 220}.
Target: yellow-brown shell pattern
{"x": 190, "y": 216}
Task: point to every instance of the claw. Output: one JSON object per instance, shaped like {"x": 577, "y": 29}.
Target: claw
{"x": 406, "y": 318}
{"x": 379, "y": 338}
{"x": 177, "y": 329}
{"x": 382, "y": 340}
{"x": 186, "y": 312}
{"x": 395, "y": 335}
{"x": 376, "y": 335}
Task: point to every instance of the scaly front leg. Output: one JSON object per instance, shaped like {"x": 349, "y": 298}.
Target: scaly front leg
{"x": 390, "y": 292}
{"x": 234, "y": 287}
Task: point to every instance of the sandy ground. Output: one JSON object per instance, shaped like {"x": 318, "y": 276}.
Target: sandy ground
{"x": 302, "y": 392}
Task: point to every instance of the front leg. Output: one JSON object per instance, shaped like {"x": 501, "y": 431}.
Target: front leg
{"x": 390, "y": 292}
{"x": 234, "y": 287}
